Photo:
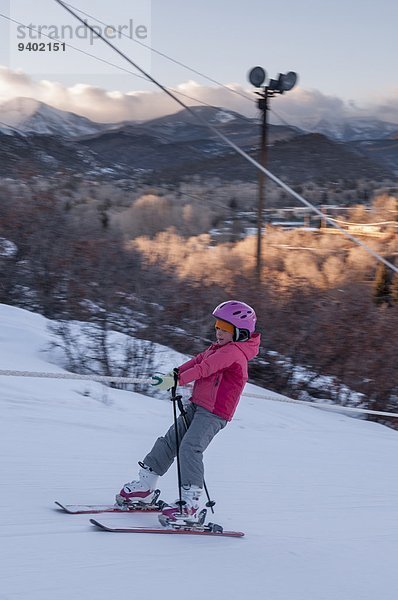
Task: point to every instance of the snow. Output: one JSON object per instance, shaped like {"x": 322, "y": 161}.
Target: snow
{"x": 316, "y": 494}
{"x": 7, "y": 248}
{"x": 224, "y": 116}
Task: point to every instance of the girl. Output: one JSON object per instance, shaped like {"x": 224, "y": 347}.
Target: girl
{"x": 220, "y": 374}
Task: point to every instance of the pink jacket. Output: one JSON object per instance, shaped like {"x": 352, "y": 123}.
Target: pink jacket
{"x": 220, "y": 374}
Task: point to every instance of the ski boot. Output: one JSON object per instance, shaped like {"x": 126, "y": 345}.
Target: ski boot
{"x": 185, "y": 513}
{"x": 141, "y": 492}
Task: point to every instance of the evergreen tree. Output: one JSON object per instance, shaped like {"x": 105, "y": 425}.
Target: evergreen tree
{"x": 233, "y": 203}
{"x": 394, "y": 289}
{"x": 382, "y": 285}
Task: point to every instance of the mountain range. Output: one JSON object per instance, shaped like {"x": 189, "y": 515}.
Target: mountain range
{"x": 354, "y": 129}
{"x": 37, "y": 138}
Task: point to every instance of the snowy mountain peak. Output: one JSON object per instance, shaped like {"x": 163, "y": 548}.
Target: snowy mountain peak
{"x": 31, "y": 116}
{"x": 15, "y": 112}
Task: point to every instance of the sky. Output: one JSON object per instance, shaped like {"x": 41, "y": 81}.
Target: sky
{"x": 344, "y": 54}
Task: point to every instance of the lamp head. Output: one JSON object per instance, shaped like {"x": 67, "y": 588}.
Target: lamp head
{"x": 257, "y": 76}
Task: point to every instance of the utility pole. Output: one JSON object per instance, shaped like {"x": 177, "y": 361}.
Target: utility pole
{"x": 284, "y": 83}
{"x": 263, "y": 105}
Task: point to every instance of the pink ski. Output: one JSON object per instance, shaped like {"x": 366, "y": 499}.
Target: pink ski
{"x": 87, "y": 509}
{"x": 210, "y": 529}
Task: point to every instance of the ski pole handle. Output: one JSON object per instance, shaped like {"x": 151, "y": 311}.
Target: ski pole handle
{"x": 175, "y": 375}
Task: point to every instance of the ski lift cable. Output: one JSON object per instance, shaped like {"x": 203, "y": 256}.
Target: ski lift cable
{"x": 164, "y": 55}
{"x": 147, "y": 75}
{"x": 229, "y": 142}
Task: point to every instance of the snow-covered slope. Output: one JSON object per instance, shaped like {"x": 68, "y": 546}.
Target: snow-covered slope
{"x": 315, "y": 492}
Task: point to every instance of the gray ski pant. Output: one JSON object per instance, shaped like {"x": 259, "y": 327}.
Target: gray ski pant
{"x": 202, "y": 427}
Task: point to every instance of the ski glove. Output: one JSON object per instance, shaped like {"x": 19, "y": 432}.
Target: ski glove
{"x": 163, "y": 382}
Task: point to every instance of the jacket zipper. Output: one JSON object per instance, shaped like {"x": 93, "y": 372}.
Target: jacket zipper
{"x": 215, "y": 388}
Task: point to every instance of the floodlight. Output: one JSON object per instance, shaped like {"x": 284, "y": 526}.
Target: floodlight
{"x": 274, "y": 84}
{"x": 257, "y": 76}
{"x": 287, "y": 81}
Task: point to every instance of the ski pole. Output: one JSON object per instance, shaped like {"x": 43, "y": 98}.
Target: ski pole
{"x": 178, "y": 399}
{"x": 174, "y": 399}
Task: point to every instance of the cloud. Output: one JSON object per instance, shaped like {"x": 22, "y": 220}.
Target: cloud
{"x": 306, "y": 108}
{"x": 387, "y": 107}
{"x": 15, "y": 83}
{"x": 303, "y": 108}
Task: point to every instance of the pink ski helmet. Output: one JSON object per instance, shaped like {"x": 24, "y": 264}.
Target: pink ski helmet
{"x": 240, "y": 315}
